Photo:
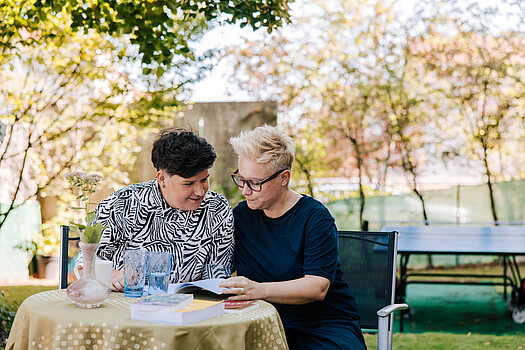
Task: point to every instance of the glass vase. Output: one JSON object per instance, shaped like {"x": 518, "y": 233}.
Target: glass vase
{"x": 88, "y": 291}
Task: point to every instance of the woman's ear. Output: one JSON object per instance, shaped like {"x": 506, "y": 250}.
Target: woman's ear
{"x": 285, "y": 177}
{"x": 161, "y": 178}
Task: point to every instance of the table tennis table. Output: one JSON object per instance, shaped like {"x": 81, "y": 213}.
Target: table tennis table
{"x": 506, "y": 242}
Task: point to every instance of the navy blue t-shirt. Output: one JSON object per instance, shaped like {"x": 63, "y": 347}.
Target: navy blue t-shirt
{"x": 301, "y": 242}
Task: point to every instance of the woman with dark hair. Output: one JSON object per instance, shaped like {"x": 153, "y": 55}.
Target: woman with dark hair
{"x": 175, "y": 212}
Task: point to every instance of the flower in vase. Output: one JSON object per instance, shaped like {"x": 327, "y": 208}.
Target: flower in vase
{"x": 84, "y": 186}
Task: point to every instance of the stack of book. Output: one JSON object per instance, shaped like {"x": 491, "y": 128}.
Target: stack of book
{"x": 177, "y": 309}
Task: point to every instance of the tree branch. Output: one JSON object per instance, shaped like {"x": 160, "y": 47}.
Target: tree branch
{"x": 3, "y": 216}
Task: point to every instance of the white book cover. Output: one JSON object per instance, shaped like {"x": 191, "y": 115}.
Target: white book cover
{"x": 171, "y": 302}
{"x": 197, "y": 310}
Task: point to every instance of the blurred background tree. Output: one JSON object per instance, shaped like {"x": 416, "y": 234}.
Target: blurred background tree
{"x": 397, "y": 92}
{"x": 368, "y": 89}
{"x": 476, "y": 71}
{"x": 80, "y": 82}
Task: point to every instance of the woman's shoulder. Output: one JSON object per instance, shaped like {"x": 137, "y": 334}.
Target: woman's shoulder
{"x": 311, "y": 207}
{"x": 307, "y": 202}
{"x": 242, "y": 205}
{"x": 133, "y": 192}
{"x": 214, "y": 199}
{"x": 136, "y": 189}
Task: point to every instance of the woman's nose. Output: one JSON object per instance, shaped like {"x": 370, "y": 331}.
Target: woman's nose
{"x": 199, "y": 190}
{"x": 246, "y": 190}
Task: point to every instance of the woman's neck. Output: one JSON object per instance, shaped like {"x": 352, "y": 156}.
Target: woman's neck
{"x": 283, "y": 204}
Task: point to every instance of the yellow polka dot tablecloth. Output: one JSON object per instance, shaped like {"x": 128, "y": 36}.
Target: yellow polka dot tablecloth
{"x": 50, "y": 320}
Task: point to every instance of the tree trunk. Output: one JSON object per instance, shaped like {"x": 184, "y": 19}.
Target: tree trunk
{"x": 492, "y": 202}
{"x": 361, "y": 198}
{"x": 489, "y": 184}
{"x": 430, "y": 264}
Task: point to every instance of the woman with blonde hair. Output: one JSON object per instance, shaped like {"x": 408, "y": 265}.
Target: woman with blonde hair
{"x": 287, "y": 250}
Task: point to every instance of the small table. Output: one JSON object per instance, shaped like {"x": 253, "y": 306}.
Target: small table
{"x": 50, "y": 320}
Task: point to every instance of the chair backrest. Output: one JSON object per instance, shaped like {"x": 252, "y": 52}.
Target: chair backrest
{"x": 68, "y": 254}
{"x": 368, "y": 260}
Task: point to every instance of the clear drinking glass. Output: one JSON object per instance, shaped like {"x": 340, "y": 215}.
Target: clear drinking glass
{"x": 159, "y": 271}
{"x": 135, "y": 269}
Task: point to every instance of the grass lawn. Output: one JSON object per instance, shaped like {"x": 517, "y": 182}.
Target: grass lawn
{"x": 449, "y": 341}
{"x": 17, "y": 294}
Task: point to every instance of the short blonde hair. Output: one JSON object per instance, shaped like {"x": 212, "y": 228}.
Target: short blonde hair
{"x": 265, "y": 145}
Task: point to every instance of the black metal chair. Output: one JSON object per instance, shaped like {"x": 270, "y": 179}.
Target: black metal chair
{"x": 68, "y": 252}
{"x": 368, "y": 260}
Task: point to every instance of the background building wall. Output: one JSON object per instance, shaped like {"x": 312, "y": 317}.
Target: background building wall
{"x": 216, "y": 122}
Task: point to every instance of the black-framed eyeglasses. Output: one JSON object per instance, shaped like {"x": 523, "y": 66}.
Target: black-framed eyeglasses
{"x": 254, "y": 185}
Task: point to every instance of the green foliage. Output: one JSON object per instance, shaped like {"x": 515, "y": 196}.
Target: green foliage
{"x": 29, "y": 246}
{"x": 88, "y": 233}
{"x": 309, "y": 149}
{"x": 82, "y": 81}
{"x": 66, "y": 104}
{"x": 330, "y": 76}
{"x": 84, "y": 185}
{"x": 10, "y": 299}
{"x": 7, "y": 316}
{"x": 46, "y": 244}
{"x": 162, "y": 30}
{"x": 477, "y": 78}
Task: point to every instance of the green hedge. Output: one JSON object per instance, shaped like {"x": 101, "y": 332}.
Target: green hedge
{"x": 7, "y": 316}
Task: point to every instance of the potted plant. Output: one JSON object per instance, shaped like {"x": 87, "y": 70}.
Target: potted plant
{"x": 47, "y": 255}
{"x": 43, "y": 251}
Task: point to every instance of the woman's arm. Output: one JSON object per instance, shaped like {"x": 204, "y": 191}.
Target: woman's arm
{"x": 299, "y": 291}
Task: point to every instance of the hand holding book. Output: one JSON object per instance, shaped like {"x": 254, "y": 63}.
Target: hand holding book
{"x": 241, "y": 288}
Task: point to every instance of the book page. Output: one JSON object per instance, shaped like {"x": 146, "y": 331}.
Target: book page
{"x": 211, "y": 285}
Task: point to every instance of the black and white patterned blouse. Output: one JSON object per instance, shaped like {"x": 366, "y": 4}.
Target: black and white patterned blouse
{"x": 140, "y": 218}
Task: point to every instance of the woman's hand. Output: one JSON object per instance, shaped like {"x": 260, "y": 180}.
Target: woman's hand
{"x": 299, "y": 291}
{"x": 117, "y": 280}
{"x": 243, "y": 289}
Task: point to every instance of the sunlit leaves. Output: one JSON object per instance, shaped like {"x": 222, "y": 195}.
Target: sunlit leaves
{"x": 154, "y": 26}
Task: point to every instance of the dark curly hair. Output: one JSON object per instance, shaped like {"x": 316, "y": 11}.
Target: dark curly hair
{"x": 181, "y": 152}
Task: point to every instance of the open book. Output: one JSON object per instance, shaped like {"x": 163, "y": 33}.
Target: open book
{"x": 209, "y": 285}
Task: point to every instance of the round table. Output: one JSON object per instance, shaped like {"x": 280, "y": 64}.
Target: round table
{"x": 50, "y": 320}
